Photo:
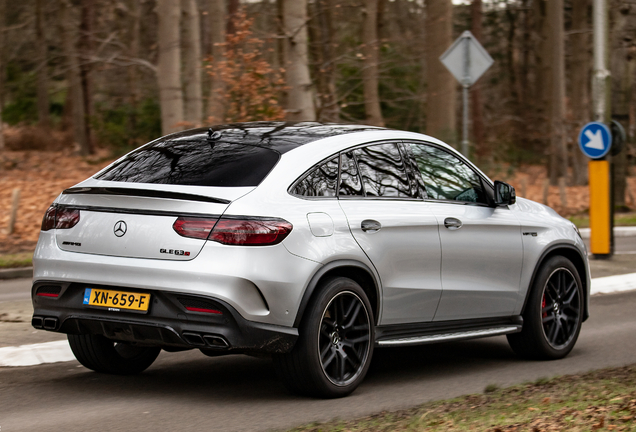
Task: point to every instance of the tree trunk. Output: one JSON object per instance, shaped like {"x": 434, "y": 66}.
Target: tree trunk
{"x": 76, "y": 93}
{"x": 300, "y": 103}
{"x": 329, "y": 111}
{"x": 232, "y": 9}
{"x": 42, "y": 68}
{"x": 441, "y": 85}
{"x": 623, "y": 49}
{"x": 134, "y": 37}
{"x": 217, "y": 15}
{"x": 192, "y": 62}
{"x": 580, "y": 74}
{"x": 482, "y": 150}
{"x": 557, "y": 100}
{"x": 86, "y": 52}
{"x": 3, "y": 66}
{"x": 168, "y": 68}
{"x": 542, "y": 77}
{"x": 371, "y": 58}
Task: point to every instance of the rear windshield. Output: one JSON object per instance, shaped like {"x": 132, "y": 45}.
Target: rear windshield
{"x": 195, "y": 163}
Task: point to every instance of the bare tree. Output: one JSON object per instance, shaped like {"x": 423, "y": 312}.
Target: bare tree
{"x": 580, "y": 73}
{"x": 324, "y": 40}
{"x": 192, "y": 62}
{"x": 217, "y": 13}
{"x": 441, "y": 86}
{"x": 623, "y": 67}
{"x": 168, "y": 68}
{"x": 42, "y": 67}
{"x": 556, "y": 42}
{"x": 371, "y": 58}
{"x": 3, "y": 66}
{"x": 300, "y": 103}
{"x": 76, "y": 93}
{"x": 481, "y": 149}
{"x": 87, "y": 48}
{"x": 134, "y": 36}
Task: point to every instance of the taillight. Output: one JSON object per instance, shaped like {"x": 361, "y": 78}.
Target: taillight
{"x": 60, "y": 218}
{"x": 245, "y": 232}
{"x": 250, "y": 232}
{"x": 194, "y": 227}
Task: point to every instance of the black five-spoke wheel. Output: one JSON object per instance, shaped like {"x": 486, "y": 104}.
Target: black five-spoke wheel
{"x": 553, "y": 313}
{"x": 335, "y": 342}
{"x": 344, "y": 338}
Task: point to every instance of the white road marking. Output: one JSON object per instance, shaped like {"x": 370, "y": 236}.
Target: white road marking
{"x": 35, "y": 354}
{"x": 59, "y": 351}
{"x": 612, "y": 284}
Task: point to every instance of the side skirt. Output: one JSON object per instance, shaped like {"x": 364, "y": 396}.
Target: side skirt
{"x": 431, "y": 332}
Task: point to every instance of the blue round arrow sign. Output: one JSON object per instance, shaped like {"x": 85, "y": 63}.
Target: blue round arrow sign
{"x": 595, "y": 140}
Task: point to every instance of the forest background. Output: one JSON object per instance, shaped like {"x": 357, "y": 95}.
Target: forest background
{"x": 83, "y": 81}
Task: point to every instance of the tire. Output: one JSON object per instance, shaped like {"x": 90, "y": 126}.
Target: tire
{"x": 331, "y": 358}
{"x": 554, "y": 313}
{"x": 103, "y": 355}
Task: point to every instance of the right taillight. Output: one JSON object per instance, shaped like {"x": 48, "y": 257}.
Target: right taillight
{"x": 235, "y": 231}
{"x": 60, "y": 218}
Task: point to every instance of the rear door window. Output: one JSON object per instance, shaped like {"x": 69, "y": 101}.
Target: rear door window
{"x": 383, "y": 171}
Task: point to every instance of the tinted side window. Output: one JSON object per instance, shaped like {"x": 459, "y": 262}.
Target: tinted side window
{"x": 350, "y": 184}
{"x": 383, "y": 171}
{"x": 320, "y": 182}
{"x": 445, "y": 176}
{"x": 196, "y": 163}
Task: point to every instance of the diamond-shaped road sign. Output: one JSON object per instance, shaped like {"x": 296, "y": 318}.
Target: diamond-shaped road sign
{"x": 466, "y": 59}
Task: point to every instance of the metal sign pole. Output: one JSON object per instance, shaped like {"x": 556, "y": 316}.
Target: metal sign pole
{"x": 465, "y": 86}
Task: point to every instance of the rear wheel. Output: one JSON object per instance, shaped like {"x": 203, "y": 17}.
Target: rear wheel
{"x": 335, "y": 343}
{"x": 553, "y": 316}
{"x": 101, "y": 354}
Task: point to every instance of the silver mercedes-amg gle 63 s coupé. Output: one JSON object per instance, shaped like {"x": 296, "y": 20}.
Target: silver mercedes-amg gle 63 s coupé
{"x": 310, "y": 242}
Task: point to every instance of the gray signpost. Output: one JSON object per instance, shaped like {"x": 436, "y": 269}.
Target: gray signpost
{"x": 467, "y": 60}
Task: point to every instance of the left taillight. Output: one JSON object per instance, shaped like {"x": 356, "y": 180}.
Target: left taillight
{"x": 60, "y": 218}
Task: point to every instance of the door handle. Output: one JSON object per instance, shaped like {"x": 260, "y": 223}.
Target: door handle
{"x": 370, "y": 226}
{"x": 452, "y": 223}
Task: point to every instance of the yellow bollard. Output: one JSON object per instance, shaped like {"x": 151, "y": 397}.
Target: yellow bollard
{"x": 600, "y": 211}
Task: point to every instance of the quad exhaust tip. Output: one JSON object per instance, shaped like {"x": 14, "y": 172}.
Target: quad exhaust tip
{"x": 46, "y": 323}
{"x": 209, "y": 341}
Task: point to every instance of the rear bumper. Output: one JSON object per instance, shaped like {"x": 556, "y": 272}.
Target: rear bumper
{"x": 167, "y": 324}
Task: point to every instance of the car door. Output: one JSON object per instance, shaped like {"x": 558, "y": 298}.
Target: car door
{"x": 481, "y": 243}
{"x": 394, "y": 228}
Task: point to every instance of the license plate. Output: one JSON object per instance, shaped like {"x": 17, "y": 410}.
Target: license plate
{"x": 117, "y": 300}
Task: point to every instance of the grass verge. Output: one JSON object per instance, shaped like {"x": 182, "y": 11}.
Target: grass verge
{"x": 599, "y": 400}
{"x": 24, "y": 259}
{"x": 620, "y": 219}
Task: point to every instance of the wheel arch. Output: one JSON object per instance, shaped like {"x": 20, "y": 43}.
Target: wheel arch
{"x": 574, "y": 255}
{"x": 355, "y": 270}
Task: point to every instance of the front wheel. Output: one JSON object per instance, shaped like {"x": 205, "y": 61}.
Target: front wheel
{"x": 554, "y": 313}
{"x": 101, "y": 354}
{"x": 335, "y": 343}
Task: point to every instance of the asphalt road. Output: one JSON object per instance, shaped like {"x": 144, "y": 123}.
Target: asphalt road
{"x": 188, "y": 391}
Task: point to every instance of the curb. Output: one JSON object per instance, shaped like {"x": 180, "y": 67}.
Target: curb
{"x": 629, "y": 231}
{"x": 16, "y": 273}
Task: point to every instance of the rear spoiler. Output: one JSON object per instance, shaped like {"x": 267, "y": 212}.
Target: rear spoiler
{"x": 149, "y": 193}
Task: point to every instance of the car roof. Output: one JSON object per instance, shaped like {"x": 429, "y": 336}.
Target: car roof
{"x": 279, "y": 136}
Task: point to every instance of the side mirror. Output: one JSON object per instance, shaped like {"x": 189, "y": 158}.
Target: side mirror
{"x": 504, "y": 193}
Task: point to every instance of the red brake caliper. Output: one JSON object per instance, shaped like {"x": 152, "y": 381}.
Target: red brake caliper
{"x": 545, "y": 314}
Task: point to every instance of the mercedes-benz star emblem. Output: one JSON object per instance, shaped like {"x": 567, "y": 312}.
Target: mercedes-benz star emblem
{"x": 120, "y": 228}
